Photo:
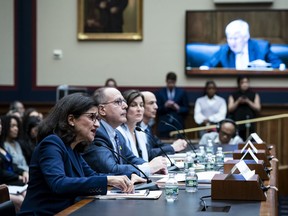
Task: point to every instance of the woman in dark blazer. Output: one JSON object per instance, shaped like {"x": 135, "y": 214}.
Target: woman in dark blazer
{"x": 58, "y": 173}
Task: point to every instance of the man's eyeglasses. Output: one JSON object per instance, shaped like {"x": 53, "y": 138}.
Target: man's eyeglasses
{"x": 118, "y": 102}
{"x": 93, "y": 116}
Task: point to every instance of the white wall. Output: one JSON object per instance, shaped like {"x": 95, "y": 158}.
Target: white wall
{"x": 142, "y": 63}
{"x": 6, "y": 43}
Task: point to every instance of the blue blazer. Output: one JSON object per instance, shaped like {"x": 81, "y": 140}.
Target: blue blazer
{"x": 103, "y": 160}
{"x": 181, "y": 99}
{"x": 58, "y": 175}
{"x": 258, "y": 49}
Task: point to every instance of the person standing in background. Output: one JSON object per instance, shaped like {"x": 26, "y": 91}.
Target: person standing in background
{"x": 244, "y": 104}
{"x": 173, "y": 106}
{"x": 210, "y": 108}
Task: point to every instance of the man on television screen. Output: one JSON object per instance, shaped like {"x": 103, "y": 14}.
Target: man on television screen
{"x": 242, "y": 52}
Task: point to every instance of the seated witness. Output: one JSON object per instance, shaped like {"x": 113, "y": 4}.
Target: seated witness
{"x": 112, "y": 110}
{"x": 226, "y": 134}
{"x": 153, "y": 142}
{"x": 210, "y": 108}
{"x": 59, "y": 175}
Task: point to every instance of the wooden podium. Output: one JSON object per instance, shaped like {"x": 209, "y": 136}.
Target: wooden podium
{"x": 235, "y": 187}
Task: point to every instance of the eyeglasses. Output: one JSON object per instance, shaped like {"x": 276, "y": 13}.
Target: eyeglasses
{"x": 118, "y": 102}
{"x": 93, "y": 116}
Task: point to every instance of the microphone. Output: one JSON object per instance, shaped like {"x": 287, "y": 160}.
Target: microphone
{"x": 149, "y": 185}
{"x": 183, "y": 136}
{"x": 173, "y": 167}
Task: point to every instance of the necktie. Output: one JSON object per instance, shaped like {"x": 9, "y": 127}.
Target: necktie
{"x": 118, "y": 147}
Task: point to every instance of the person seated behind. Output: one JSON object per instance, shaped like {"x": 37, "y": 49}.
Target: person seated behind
{"x": 101, "y": 155}
{"x": 226, "y": 134}
{"x": 210, "y": 108}
{"x": 240, "y": 50}
{"x": 110, "y": 82}
{"x": 173, "y": 106}
{"x": 152, "y": 141}
{"x": 59, "y": 175}
{"x": 11, "y": 137}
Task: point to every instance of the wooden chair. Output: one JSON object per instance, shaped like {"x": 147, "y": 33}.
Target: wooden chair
{"x": 6, "y": 205}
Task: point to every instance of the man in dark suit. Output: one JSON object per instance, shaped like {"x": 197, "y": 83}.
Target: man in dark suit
{"x": 112, "y": 110}
{"x": 173, "y": 106}
{"x": 241, "y": 51}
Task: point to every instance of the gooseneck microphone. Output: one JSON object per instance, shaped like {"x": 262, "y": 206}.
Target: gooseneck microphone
{"x": 173, "y": 167}
{"x": 150, "y": 185}
{"x": 181, "y": 135}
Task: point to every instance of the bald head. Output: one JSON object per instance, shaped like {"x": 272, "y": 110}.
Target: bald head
{"x": 150, "y": 106}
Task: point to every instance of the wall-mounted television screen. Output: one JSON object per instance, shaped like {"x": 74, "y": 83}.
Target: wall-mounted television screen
{"x": 206, "y": 43}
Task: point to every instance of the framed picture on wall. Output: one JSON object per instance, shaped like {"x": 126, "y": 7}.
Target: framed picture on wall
{"x": 110, "y": 20}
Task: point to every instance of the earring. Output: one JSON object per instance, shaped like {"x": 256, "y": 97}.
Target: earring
{"x": 72, "y": 125}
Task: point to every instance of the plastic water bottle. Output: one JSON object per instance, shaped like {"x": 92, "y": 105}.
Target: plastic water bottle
{"x": 171, "y": 188}
{"x": 201, "y": 155}
{"x": 210, "y": 162}
{"x": 191, "y": 181}
{"x": 209, "y": 147}
{"x": 188, "y": 161}
{"x": 219, "y": 158}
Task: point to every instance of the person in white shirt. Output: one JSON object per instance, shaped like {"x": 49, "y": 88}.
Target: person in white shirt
{"x": 226, "y": 134}
{"x": 210, "y": 108}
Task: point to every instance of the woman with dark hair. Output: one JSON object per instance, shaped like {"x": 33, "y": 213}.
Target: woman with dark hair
{"x": 244, "y": 104}
{"x": 30, "y": 130}
{"x": 11, "y": 138}
{"x": 59, "y": 175}
{"x": 111, "y": 83}
{"x": 10, "y": 174}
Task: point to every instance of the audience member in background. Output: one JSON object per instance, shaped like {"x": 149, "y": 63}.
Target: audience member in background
{"x": 11, "y": 137}
{"x": 244, "y": 104}
{"x": 173, "y": 106}
{"x": 226, "y": 134}
{"x": 153, "y": 143}
{"x": 32, "y": 112}
{"x": 240, "y": 50}
{"x": 59, "y": 175}
{"x": 112, "y": 110}
{"x": 30, "y": 129}
{"x": 210, "y": 108}
{"x": 16, "y": 107}
{"x": 111, "y": 83}
{"x": 10, "y": 174}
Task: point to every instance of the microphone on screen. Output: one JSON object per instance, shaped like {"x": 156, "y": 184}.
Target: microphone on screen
{"x": 181, "y": 135}
{"x": 173, "y": 167}
{"x": 149, "y": 185}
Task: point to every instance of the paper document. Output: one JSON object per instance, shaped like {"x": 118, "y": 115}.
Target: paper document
{"x": 17, "y": 189}
{"x": 141, "y": 194}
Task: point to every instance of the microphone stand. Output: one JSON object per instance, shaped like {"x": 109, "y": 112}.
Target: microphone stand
{"x": 183, "y": 136}
{"x": 149, "y": 185}
{"x": 173, "y": 167}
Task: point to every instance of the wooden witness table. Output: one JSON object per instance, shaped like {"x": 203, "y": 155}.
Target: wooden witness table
{"x": 267, "y": 208}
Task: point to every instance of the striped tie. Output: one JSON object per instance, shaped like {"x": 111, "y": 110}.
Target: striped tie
{"x": 118, "y": 148}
